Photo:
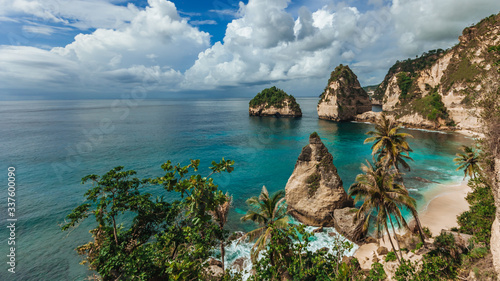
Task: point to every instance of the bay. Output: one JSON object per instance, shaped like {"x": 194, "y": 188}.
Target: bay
{"x": 53, "y": 144}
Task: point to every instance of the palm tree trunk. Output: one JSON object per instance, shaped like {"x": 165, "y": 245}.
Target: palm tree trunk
{"x": 222, "y": 253}
{"x": 392, "y": 244}
{"x": 419, "y": 227}
{"x": 395, "y": 236}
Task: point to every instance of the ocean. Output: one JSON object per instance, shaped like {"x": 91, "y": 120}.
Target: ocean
{"x": 53, "y": 144}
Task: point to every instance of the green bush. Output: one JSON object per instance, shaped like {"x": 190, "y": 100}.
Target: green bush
{"x": 376, "y": 273}
{"x": 431, "y": 106}
{"x": 427, "y": 232}
{"x": 313, "y": 182}
{"x": 287, "y": 254}
{"x": 391, "y": 256}
{"x": 478, "y": 253}
{"x": 404, "y": 84}
{"x": 432, "y": 268}
{"x": 274, "y": 97}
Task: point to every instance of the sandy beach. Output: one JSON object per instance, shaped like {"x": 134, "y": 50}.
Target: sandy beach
{"x": 444, "y": 206}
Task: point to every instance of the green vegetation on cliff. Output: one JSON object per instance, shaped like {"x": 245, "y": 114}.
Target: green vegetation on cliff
{"x": 274, "y": 97}
{"x": 341, "y": 71}
{"x": 410, "y": 67}
{"x": 431, "y": 107}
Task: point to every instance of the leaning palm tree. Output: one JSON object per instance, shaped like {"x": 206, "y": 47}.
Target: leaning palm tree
{"x": 468, "y": 161}
{"x": 390, "y": 146}
{"x": 220, "y": 216}
{"x": 379, "y": 192}
{"x": 267, "y": 211}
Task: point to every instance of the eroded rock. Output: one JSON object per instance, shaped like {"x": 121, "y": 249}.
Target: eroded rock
{"x": 315, "y": 190}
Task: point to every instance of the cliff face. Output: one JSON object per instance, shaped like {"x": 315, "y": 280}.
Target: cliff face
{"x": 314, "y": 190}
{"x": 343, "y": 97}
{"x": 274, "y": 102}
{"x": 443, "y": 86}
{"x": 286, "y": 110}
{"x": 495, "y": 229}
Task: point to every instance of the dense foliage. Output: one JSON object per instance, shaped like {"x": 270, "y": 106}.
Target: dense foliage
{"x": 404, "y": 83}
{"x": 481, "y": 214}
{"x": 288, "y": 256}
{"x": 274, "y": 97}
{"x": 170, "y": 240}
{"x": 269, "y": 212}
{"x": 431, "y": 107}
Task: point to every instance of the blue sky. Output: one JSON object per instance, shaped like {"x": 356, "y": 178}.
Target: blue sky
{"x": 55, "y": 49}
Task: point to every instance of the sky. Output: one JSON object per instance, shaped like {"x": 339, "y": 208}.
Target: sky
{"x": 105, "y": 49}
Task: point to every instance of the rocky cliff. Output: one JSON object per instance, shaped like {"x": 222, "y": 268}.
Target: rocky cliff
{"x": 495, "y": 229}
{"x": 274, "y": 102}
{"x": 441, "y": 87}
{"x": 343, "y": 97}
{"x": 314, "y": 190}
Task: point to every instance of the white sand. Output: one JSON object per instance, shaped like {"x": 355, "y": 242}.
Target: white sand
{"x": 444, "y": 206}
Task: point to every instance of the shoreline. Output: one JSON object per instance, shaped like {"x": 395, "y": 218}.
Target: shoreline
{"x": 444, "y": 205}
{"x": 369, "y": 117}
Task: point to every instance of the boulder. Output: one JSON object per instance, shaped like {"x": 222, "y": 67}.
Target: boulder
{"x": 461, "y": 239}
{"x": 369, "y": 240}
{"x": 213, "y": 261}
{"x": 343, "y": 97}
{"x": 318, "y": 230}
{"x": 214, "y": 270}
{"x": 382, "y": 251}
{"x": 408, "y": 240}
{"x": 235, "y": 236}
{"x": 239, "y": 264}
{"x": 346, "y": 225}
{"x": 315, "y": 190}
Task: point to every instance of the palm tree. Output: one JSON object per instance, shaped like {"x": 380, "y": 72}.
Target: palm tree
{"x": 267, "y": 211}
{"x": 381, "y": 194}
{"x": 469, "y": 161}
{"x": 220, "y": 216}
{"x": 390, "y": 145}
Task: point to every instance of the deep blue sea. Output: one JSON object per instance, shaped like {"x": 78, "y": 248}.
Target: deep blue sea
{"x": 53, "y": 144}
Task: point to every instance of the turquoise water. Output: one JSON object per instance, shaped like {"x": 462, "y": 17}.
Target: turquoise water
{"x": 53, "y": 144}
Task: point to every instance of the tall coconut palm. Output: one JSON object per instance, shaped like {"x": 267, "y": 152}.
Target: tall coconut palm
{"x": 267, "y": 211}
{"x": 468, "y": 161}
{"x": 379, "y": 193}
{"x": 220, "y": 217}
{"x": 390, "y": 146}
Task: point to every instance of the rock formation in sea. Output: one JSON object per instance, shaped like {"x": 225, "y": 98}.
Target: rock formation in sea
{"x": 343, "y": 97}
{"x": 343, "y": 220}
{"x": 439, "y": 89}
{"x": 315, "y": 194}
{"x": 274, "y": 102}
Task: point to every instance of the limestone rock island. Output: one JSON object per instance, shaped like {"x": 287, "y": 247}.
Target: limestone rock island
{"x": 274, "y": 102}
{"x": 315, "y": 190}
{"x": 343, "y": 97}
